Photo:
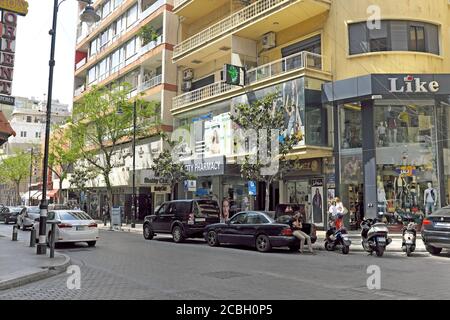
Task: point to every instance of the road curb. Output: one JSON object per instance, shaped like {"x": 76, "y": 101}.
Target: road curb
{"x": 29, "y": 277}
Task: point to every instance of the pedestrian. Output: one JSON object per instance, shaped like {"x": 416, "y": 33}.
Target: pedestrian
{"x": 339, "y": 214}
{"x": 105, "y": 213}
{"x": 296, "y": 225}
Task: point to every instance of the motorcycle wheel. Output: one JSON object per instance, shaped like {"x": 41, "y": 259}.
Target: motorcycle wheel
{"x": 345, "y": 249}
{"x": 380, "y": 251}
{"x": 329, "y": 246}
{"x": 408, "y": 251}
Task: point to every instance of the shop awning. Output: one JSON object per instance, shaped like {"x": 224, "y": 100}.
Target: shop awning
{"x": 5, "y": 129}
{"x": 38, "y": 196}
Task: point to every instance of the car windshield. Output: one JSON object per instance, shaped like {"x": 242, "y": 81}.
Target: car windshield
{"x": 73, "y": 215}
{"x": 14, "y": 210}
{"x": 33, "y": 210}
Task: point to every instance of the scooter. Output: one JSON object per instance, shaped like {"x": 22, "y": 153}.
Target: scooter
{"x": 409, "y": 238}
{"x": 337, "y": 238}
{"x": 374, "y": 235}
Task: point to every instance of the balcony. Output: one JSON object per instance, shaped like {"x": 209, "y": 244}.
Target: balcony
{"x": 79, "y": 90}
{"x": 151, "y": 9}
{"x": 80, "y": 63}
{"x": 156, "y": 81}
{"x": 250, "y": 22}
{"x": 271, "y": 71}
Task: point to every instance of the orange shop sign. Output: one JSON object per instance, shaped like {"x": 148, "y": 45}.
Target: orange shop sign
{"x": 18, "y": 6}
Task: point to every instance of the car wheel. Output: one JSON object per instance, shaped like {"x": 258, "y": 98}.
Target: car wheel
{"x": 177, "y": 234}
{"x": 433, "y": 250}
{"x": 148, "y": 232}
{"x": 263, "y": 243}
{"x": 212, "y": 239}
{"x": 91, "y": 243}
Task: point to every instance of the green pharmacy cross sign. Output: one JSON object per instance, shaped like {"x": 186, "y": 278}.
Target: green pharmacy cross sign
{"x": 234, "y": 75}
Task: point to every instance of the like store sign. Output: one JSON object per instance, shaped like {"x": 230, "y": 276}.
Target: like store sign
{"x": 7, "y": 50}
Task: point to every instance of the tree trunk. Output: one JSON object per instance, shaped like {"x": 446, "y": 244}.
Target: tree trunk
{"x": 267, "y": 195}
{"x": 110, "y": 198}
{"x": 18, "y": 200}
{"x": 60, "y": 192}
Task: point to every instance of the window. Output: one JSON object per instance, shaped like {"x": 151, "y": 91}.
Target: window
{"x": 37, "y": 134}
{"x": 106, "y": 9}
{"x": 417, "y": 38}
{"x": 239, "y": 219}
{"x": 92, "y": 74}
{"x": 23, "y": 134}
{"x": 103, "y": 39}
{"x": 93, "y": 47}
{"x": 132, "y": 15}
{"x": 130, "y": 49}
{"x": 394, "y": 35}
{"x": 29, "y": 119}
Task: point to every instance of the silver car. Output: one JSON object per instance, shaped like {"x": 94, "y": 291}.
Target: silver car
{"x": 27, "y": 217}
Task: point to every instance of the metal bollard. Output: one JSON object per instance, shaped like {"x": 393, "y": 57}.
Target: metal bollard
{"x": 14, "y": 235}
{"x": 33, "y": 237}
{"x": 52, "y": 241}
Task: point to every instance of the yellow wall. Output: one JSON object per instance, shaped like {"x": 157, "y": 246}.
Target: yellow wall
{"x": 335, "y": 40}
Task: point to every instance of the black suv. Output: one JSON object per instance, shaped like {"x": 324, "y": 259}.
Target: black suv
{"x": 182, "y": 218}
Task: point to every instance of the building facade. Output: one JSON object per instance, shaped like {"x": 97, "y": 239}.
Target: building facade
{"x": 112, "y": 51}
{"x": 366, "y": 85}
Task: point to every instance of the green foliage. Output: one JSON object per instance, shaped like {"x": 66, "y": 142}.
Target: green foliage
{"x": 264, "y": 114}
{"x": 147, "y": 34}
{"x": 15, "y": 169}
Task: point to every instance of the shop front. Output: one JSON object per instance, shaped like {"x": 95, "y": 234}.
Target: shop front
{"x": 392, "y": 144}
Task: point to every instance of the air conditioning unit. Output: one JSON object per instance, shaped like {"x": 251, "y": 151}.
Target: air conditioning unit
{"x": 268, "y": 40}
{"x": 187, "y": 86}
{"x": 188, "y": 74}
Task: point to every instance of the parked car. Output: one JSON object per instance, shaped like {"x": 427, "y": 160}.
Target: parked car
{"x": 252, "y": 228}
{"x": 72, "y": 226}
{"x": 436, "y": 231}
{"x": 182, "y": 218}
{"x": 10, "y": 214}
{"x": 282, "y": 216}
{"x": 27, "y": 217}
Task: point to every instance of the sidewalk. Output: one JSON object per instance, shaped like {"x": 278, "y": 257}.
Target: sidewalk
{"x": 19, "y": 264}
{"x": 355, "y": 237}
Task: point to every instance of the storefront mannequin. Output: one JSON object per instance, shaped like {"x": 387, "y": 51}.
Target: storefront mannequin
{"x": 382, "y": 201}
{"x": 429, "y": 199}
{"x": 381, "y": 130}
{"x": 392, "y": 125}
{"x": 400, "y": 189}
{"x": 414, "y": 190}
{"x": 403, "y": 117}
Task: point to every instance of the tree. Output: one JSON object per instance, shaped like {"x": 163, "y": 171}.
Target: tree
{"x": 15, "y": 169}
{"x": 265, "y": 159}
{"x": 79, "y": 180}
{"x": 147, "y": 34}
{"x": 100, "y": 130}
{"x": 169, "y": 169}
{"x": 63, "y": 154}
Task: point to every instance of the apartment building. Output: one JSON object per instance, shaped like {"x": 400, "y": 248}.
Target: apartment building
{"x": 368, "y": 85}
{"x": 111, "y": 51}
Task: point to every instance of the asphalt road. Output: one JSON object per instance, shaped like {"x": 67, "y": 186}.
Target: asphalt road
{"x": 125, "y": 266}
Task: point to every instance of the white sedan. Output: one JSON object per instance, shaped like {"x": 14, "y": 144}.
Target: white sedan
{"x": 71, "y": 226}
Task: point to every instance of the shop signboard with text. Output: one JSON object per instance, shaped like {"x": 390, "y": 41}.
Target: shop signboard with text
{"x": 17, "y": 6}
{"x": 7, "y": 52}
{"x": 202, "y": 167}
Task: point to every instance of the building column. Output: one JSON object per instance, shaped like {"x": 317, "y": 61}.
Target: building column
{"x": 441, "y": 130}
{"x": 337, "y": 159}
{"x": 369, "y": 159}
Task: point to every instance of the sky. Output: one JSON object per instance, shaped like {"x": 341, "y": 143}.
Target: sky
{"x": 31, "y": 68}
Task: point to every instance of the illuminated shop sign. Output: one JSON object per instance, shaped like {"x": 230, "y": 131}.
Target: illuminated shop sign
{"x": 17, "y": 6}
{"x": 7, "y": 51}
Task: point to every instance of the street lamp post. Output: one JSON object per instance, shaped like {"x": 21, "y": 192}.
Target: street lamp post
{"x": 31, "y": 173}
{"x": 88, "y": 15}
{"x": 133, "y": 219}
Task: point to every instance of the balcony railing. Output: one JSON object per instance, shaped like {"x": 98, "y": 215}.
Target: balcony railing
{"x": 237, "y": 19}
{"x": 152, "y": 44}
{"x": 153, "y": 82}
{"x": 151, "y": 9}
{"x": 273, "y": 69}
{"x": 80, "y": 63}
{"x": 177, "y": 3}
{"x": 79, "y": 90}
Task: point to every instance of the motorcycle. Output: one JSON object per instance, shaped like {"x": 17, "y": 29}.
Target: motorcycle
{"x": 409, "y": 238}
{"x": 337, "y": 238}
{"x": 374, "y": 235}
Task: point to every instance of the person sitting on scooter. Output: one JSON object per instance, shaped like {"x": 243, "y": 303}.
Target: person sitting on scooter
{"x": 296, "y": 225}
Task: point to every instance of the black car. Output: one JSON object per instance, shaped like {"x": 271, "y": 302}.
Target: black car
{"x": 436, "y": 231}
{"x": 10, "y": 214}
{"x": 182, "y": 218}
{"x": 255, "y": 229}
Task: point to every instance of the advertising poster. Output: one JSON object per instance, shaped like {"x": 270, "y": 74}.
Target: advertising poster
{"x": 317, "y": 201}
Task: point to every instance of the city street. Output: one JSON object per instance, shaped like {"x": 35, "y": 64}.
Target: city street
{"x": 125, "y": 266}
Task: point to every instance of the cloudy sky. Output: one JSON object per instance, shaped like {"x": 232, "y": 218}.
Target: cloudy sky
{"x": 33, "y": 51}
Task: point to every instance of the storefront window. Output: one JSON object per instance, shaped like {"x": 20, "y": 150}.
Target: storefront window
{"x": 351, "y": 173}
{"x": 406, "y": 158}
